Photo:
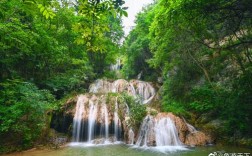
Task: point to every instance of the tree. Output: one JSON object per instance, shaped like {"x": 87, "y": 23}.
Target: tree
{"x": 203, "y": 51}
{"x": 22, "y": 113}
{"x": 136, "y": 47}
{"x": 96, "y": 31}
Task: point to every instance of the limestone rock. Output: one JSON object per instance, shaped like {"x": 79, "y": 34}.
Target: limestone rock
{"x": 103, "y": 107}
{"x": 179, "y": 123}
{"x": 187, "y": 134}
{"x": 197, "y": 139}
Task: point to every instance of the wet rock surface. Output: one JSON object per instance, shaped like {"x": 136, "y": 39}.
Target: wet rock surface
{"x": 184, "y": 132}
{"x": 100, "y": 116}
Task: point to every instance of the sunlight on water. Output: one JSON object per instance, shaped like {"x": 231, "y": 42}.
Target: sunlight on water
{"x": 88, "y": 144}
{"x": 162, "y": 149}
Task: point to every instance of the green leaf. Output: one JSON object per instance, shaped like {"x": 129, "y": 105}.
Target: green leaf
{"x": 125, "y": 13}
{"x": 42, "y": 9}
{"x": 47, "y": 15}
{"x": 45, "y": 12}
{"x": 40, "y": 6}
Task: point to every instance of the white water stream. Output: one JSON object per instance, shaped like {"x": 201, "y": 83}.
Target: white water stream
{"x": 96, "y": 119}
{"x": 144, "y": 90}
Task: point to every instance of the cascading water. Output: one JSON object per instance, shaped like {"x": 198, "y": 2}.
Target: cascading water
{"x": 106, "y": 121}
{"x": 161, "y": 132}
{"x": 146, "y": 92}
{"x": 117, "y": 122}
{"x": 131, "y": 90}
{"x": 131, "y": 136}
{"x": 91, "y": 120}
{"x": 96, "y": 119}
{"x": 127, "y": 109}
{"x": 139, "y": 75}
{"x": 136, "y": 88}
{"x": 166, "y": 133}
{"x": 191, "y": 128}
{"x": 77, "y": 121}
{"x": 146, "y": 131}
{"x": 116, "y": 66}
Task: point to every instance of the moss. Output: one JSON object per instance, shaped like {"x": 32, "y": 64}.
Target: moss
{"x": 153, "y": 112}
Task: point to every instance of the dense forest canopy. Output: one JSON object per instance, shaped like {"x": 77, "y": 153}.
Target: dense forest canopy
{"x": 199, "y": 51}
{"x": 49, "y": 49}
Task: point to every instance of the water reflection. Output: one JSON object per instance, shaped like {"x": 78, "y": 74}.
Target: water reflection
{"x": 126, "y": 150}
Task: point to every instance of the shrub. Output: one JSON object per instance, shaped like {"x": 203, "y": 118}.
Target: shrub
{"x": 22, "y": 112}
{"x": 137, "y": 111}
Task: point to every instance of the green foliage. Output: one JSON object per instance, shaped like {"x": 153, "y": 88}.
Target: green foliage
{"x": 169, "y": 102}
{"x": 174, "y": 107}
{"x": 111, "y": 96}
{"x": 22, "y": 111}
{"x": 237, "y": 112}
{"x": 38, "y": 45}
{"x": 63, "y": 84}
{"x": 231, "y": 106}
{"x": 52, "y": 60}
{"x": 137, "y": 110}
{"x": 136, "y": 48}
{"x": 202, "y": 50}
{"x": 99, "y": 30}
{"x": 110, "y": 75}
{"x": 46, "y": 11}
{"x": 95, "y": 24}
{"x": 204, "y": 99}
{"x": 137, "y": 114}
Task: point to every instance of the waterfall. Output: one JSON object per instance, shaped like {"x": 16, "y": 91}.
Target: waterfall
{"x": 159, "y": 132}
{"x": 166, "y": 133}
{"x": 106, "y": 121}
{"x": 119, "y": 85}
{"x": 139, "y": 75}
{"x": 136, "y": 88}
{"x": 102, "y": 118}
{"x": 91, "y": 120}
{"x": 116, "y": 66}
{"x": 117, "y": 122}
{"x": 191, "y": 128}
{"x": 146, "y": 130}
{"x": 127, "y": 109}
{"x": 131, "y": 90}
{"x": 95, "y": 121}
{"x": 146, "y": 91}
{"x": 131, "y": 136}
{"x": 77, "y": 121}
{"x": 94, "y": 87}
{"x": 104, "y": 131}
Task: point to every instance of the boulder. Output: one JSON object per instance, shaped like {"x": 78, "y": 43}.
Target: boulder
{"x": 197, "y": 139}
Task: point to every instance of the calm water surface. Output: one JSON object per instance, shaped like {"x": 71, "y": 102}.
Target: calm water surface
{"x": 126, "y": 150}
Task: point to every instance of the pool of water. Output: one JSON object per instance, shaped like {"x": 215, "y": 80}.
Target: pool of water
{"x": 128, "y": 150}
